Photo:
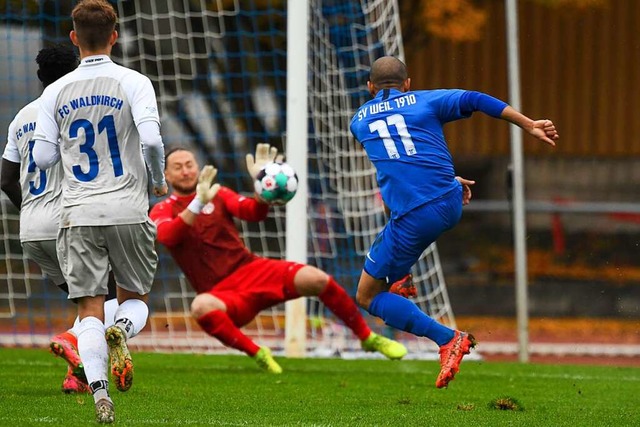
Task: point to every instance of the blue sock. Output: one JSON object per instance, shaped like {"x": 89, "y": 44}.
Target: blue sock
{"x": 400, "y": 313}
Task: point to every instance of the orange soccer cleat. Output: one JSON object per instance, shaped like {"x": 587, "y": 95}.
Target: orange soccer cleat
{"x": 404, "y": 287}
{"x": 64, "y": 345}
{"x": 451, "y": 355}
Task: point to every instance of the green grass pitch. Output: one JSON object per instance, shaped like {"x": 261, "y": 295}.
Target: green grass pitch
{"x": 200, "y": 390}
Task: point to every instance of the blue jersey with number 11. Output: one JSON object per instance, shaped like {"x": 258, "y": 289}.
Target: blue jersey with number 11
{"x": 403, "y": 137}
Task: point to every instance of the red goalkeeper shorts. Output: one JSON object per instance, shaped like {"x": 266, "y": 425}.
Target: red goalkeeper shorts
{"x": 256, "y": 286}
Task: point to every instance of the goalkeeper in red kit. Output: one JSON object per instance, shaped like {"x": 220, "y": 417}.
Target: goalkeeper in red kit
{"x": 196, "y": 224}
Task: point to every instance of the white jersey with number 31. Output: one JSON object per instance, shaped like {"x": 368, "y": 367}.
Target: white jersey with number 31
{"x": 92, "y": 113}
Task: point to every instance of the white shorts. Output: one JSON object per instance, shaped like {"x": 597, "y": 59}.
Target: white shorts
{"x": 86, "y": 252}
{"x": 43, "y": 252}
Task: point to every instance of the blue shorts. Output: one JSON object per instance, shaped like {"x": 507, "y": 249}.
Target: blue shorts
{"x": 403, "y": 240}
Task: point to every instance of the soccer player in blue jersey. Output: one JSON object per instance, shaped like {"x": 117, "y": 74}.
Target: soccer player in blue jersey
{"x": 401, "y": 131}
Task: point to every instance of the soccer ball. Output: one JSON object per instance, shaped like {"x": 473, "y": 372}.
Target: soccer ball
{"x": 276, "y": 183}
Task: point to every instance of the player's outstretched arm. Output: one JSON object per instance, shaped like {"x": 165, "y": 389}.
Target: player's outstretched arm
{"x": 470, "y": 101}
{"x": 543, "y": 129}
{"x": 265, "y": 153}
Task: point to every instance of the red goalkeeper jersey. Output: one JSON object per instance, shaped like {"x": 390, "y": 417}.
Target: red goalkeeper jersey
{"x": 211, "y": 249}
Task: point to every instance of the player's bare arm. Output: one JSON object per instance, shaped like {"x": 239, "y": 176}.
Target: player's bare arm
{"x": 543, "y": 129}
{"x": 10, "y": 182}
{"x": 11, "y": 161}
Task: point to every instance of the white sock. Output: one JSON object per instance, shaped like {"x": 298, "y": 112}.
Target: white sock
{"x": 132, "y": 316}
{"x": 110, "y": 308}
{"x": 92, "y": 346}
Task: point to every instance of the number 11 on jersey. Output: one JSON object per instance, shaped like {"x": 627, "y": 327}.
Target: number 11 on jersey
{"x": 382, "y": 128}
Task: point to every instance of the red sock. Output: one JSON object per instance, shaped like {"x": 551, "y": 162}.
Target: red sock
{"x": 68, "y": 336}
{"x": 341, "y": 304}
{"x": 218, "y": 324}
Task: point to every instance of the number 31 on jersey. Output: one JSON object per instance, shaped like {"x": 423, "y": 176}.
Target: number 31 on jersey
{"x": 106, "y": 124}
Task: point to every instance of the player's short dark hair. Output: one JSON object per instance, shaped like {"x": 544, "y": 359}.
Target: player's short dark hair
{"x": 54, "y": 62}
{"x": 174, "y": 149}
{"x": 388, "y": 72}
{"x": 94, "y": 21}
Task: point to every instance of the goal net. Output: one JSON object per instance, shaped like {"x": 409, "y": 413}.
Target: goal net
{"x": 219, "y": 69}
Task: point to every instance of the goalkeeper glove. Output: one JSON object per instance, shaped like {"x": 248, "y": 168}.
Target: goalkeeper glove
{"x": 264, "y": 154}
{"x": 205, "y": 190}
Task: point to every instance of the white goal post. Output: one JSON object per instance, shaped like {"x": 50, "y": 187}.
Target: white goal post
{"x": 296, "y": 150}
